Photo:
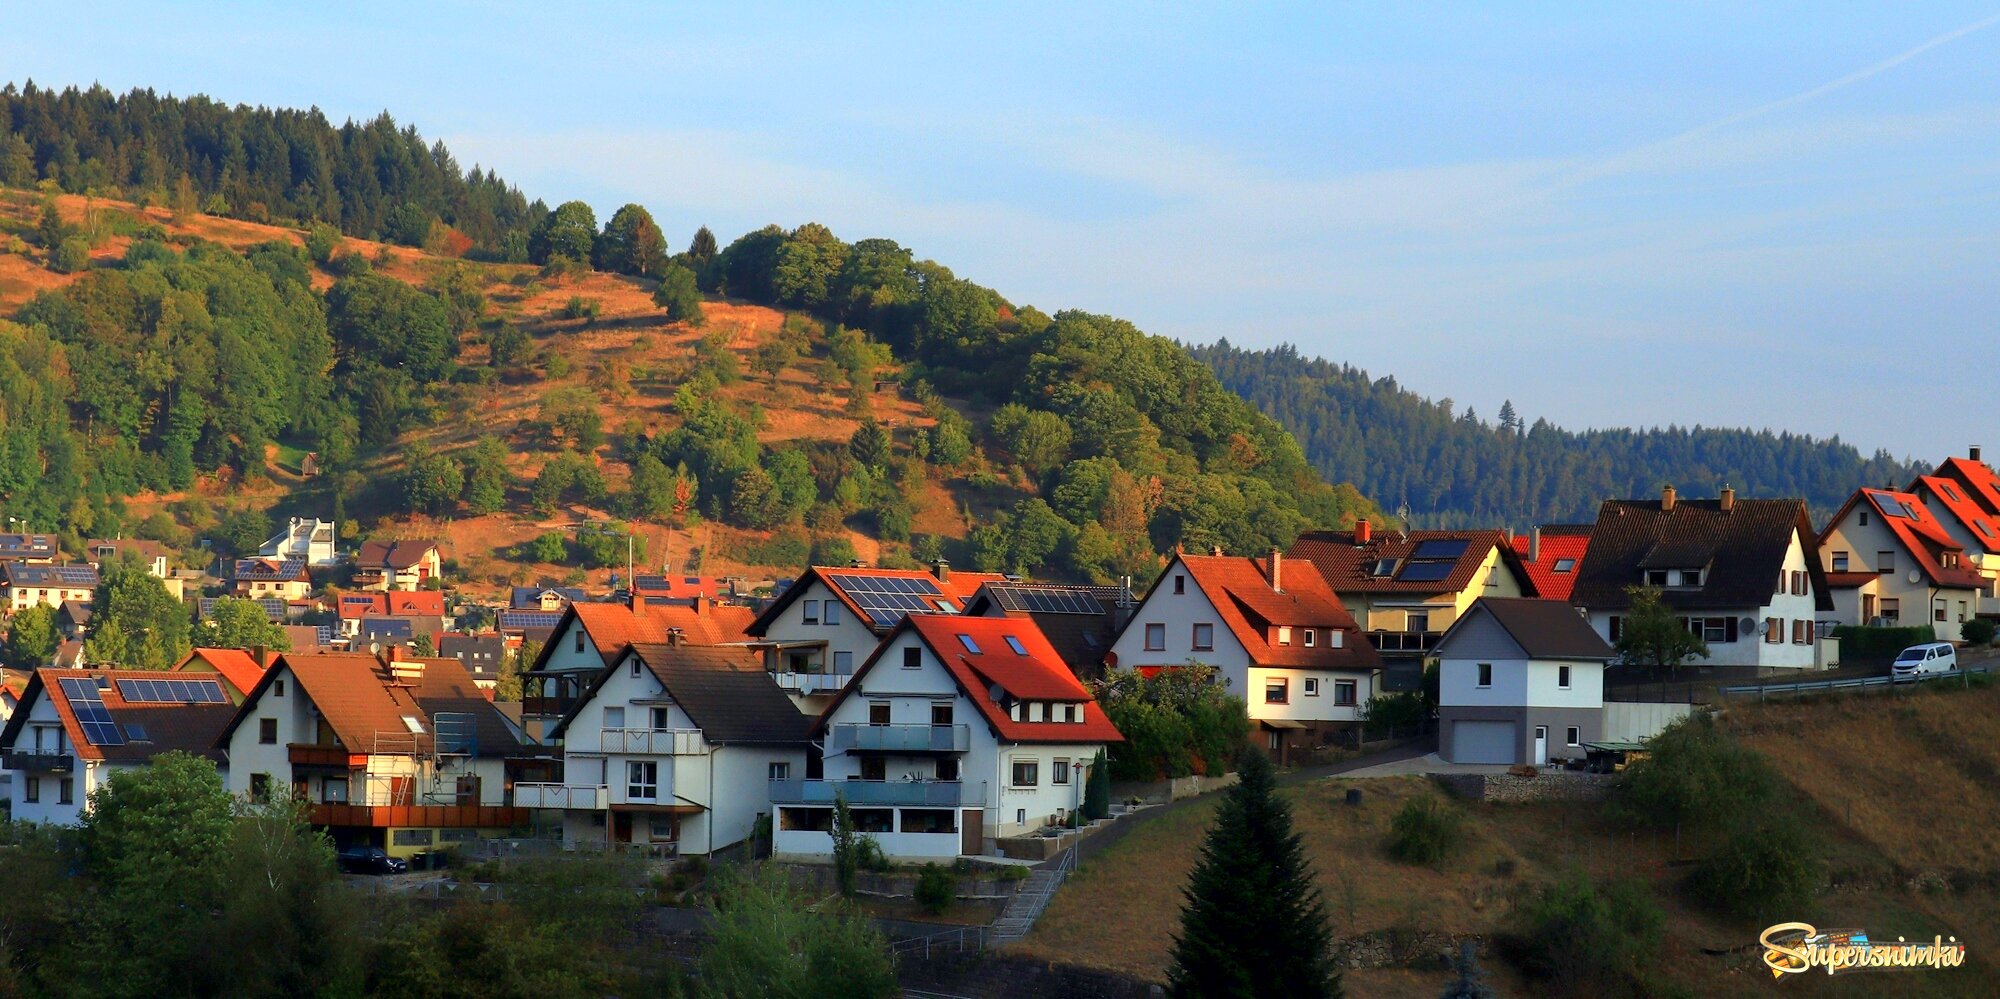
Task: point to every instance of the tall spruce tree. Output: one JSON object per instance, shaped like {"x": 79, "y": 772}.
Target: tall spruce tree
{"x": 1254, "y": 923}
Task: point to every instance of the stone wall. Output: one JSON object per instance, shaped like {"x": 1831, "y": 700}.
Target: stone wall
{"x": 1163, "y": 791}
{"x": 1549, "y": 785}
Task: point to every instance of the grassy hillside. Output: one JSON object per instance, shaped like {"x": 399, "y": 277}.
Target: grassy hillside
{"x": 1903, "y": 788}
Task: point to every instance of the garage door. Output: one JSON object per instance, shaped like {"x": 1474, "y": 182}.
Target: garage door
{"x": 1483, "y": 742}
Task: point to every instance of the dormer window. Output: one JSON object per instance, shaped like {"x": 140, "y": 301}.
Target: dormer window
{"x": 1690, "y": 577}
{"x": 1656, "y": 577}
{"x": 1284, "y": 634}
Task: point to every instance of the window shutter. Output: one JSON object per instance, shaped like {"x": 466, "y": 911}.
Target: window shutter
{"x": 1731, "y": 629}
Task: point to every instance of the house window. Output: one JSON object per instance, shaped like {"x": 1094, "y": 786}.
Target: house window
{"x": 1204, "y": 638}
{"x": 1485, "y": 674}
{"x": 33, "y": 794}
{"x": 1892, "y": 608}
{"x": 1840, "y": 561}
{"x": 1015, "y": 644}
{"x": 1864, "y": 518}
{"x": 1311, "y": 636}
{"x": 1417, "y": 622}
{"x": 913, "y": 657}
{"x": 1027, "y": 773}
{"x": 267, "y": 731}
{"x": 970, "y": 645}
{"x": 66, "y": 791}
{"x": 1798, "y": 582}
{"x": 1710, "y": 629}
{"x": 1277, "y": 691}
{"x": 780, "y": 771}
{"x": 1656, "y": 577}
{"x": 1565, "y": 565}
{"x": 1059, "y": 772}
{"x": 1343, "y": 693}
{"x": 874, "y": 768}
{"x": 1573, "y": 736}
{"x": 941, "y": 713}
{"x": 260, "y": 788}
{"x": 333, "y": 791}
{"x": 1156, "y": 637}
{"x": 878, "y": 712}
{"x": 832, "y": 613}
{"x": 843, "y": 663}
{"x": 1284, "y": 634}
{"x": 1690, "y": 577}
{"x": 277, "y": 688}
{"x": 414, "y": 724}
{"x": 660, "y": 717}
{"x": 1885, "y": 562}
{"x": 1616, "y": 626}
{"x": 947, "y": 770}
{"x": 1312, "y": 686}
{"x": 1274, "y": 740}
{"x": 635, "y": 665}
{"x": 1180, "y": 583}
{"x": 578, "y": 638}
{"x": 642, "y": 780}
{"x": 614, "y": 717}
{"x": 812, "y": 612}
{"x": 1562, "y": 677}
{"x": 1937, "y": 612}
{"x": 1774, "y": 630}
{"x": 1802, "y": 632}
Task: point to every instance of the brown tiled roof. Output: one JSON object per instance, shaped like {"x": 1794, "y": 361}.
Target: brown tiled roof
{"x": 724, "y": 689}
{"x": 190, "y": 728}
{"x": 1346, "y": 566}
{"x": 1240, "y": 590}
{"x": 401, "y": 603}
{"x": 1742, "y": 550}
{"x": 392, "y": 554}
{"x": 1544, "y": 629}
{"x": 360, "y": 699}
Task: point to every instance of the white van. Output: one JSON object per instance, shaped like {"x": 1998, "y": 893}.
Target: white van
{"x": 1930, "y": 657}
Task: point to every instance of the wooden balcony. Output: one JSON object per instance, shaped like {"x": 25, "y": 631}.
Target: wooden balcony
{"x": 37, "y": 761}
{"x": 337, "y": 757}
{"x": 420, "y": 816}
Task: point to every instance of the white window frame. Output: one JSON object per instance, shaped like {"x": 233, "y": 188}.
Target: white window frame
{"x": 1562, "y": 678}
{"x": 1312, "y": 686}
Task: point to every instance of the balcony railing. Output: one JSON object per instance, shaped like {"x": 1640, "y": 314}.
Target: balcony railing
{"x": 547, "y": 707}
{"x": 37, "y": 761}
{"x": 901, "y": 738}
{"x": 812, "y": 683}
{"x": 418, "y": 816}
{"x": 305, "y": 755}
{"x": 1404, "y": 641}
{"x": 574, "y": 796}
{"x": 919, "y": 793}
{"x": 657, "y": 742}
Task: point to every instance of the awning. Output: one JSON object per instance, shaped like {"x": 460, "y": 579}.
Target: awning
{"x": 1277, "y": 723}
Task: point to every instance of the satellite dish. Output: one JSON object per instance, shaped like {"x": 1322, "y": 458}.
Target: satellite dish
{"x": 1747, "y": 625}
{"x": 1916, "y": 575}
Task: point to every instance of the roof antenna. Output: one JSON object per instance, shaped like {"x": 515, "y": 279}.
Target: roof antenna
{"x": 1403, "y": 520}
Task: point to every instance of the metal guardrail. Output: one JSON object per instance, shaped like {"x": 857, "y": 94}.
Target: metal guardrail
{"x": 1764, "y": 690}
{"x": 958, "y": 941}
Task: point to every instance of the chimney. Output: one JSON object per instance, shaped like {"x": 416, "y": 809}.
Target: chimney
{"x": 1535, "y": 545}
{"x": 1666, "y": 499}
{"x": 407, "y": 670}
{"x": 1975, "y": 452}
{"x": 633, "y": 597}
{"x": 855, "y": 563}
{"x": 1727, "y": 498}
{"x": 1215, "y": 550}
{"x": 942, "y": 569}
{"x": 1507, "y": 535}
{"x": 1364, "y": 532}
{"x": 1277, "y": 570}
{"x": 701, "y": 604}
{"x": 257, "y": 654}
{"x": 676, "y": 637}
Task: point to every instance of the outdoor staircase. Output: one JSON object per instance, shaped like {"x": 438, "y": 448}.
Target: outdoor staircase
{"x": 1019, "y": 917}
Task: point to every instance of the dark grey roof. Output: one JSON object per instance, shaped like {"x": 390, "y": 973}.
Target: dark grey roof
{"x": 1544, "y": 629}
{"x": 523, "y": 597}
{"x": 64, "y": 576}
{"x": 1742, "y": 550}
{"x": 723, "y": 689}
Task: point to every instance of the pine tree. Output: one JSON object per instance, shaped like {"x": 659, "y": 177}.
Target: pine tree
{"x": 1471, "y": 980}
{"x": 1254, "y": 924}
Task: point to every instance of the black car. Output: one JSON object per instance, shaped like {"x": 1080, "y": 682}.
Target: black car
{"x": 370, "y": 860}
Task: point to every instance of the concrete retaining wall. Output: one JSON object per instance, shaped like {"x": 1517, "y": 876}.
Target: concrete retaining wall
{"x": 1163, "y": 791}
{"x": 1556, "y": 785}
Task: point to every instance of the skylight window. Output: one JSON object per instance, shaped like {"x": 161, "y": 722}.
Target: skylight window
{"x": 1383, "y": 567}
{"x": 1565, "y": 565}
{"x": 1015, "y": 644}
{"x": 970, "y": 645}
{"x": 414, "y": 724}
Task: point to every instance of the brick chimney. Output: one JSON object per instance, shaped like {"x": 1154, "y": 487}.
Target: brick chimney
{"x": 1666, "y": 499}
{"x": 676, "y": 637}
{"x": 1535, "y": 545}
{"x": 1727, "y": 498}
{"x": 633, "y": 598}
{"x": 1215, "y": 550}
{"x": 942, "y": 570}
{"x": 1364, "y": 532}
{"x": 401, "y": 667}
{"x": 701, "y": 604}
{"x": 1975, "y": 452}
{"x": 1277, "y": 570}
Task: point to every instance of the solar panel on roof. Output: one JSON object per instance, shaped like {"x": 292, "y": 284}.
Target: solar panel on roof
{"x": 1046, "y": 600}
{"x": 1450, "y": 548}
{"x": 888, "y": 599}
{"x": 88, "y": 707}
{"x": 171, "y": 691}
{"x": 1426, "y": 572}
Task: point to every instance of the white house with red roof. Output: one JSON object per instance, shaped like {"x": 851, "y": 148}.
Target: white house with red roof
{"x": 1277, "y": 633}
{"x": 397, "y": 565}
{"x": 818, "y": 631}
{"x": 956, "y": 731}
{"x": 1923, "y": 574}
{"x": 590, "y": 636}
{"x": 1964, "y": 494}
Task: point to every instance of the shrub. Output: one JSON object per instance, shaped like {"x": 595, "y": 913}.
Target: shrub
{"x": 70, "y": 256}
{"x": 582, "y": 308}
{"x": 1978, "y": 631}
{"x": 349, "y": 263}
{"x": 1880, "y": 643}
{"x": 1698, "y": 777}
{"x": 936, "y": 889}
{"x": 1762, "y": 869}
{"x": 1580, "y": 941}
{"x": 1426, "y": 831}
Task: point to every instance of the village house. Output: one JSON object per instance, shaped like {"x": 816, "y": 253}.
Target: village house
{"x": 390, "y": 751}
{"x": 423, "y": 607}
{"x": 239, "y": 670}
{"x": 1079, "y": 621}
{"x": 481, "y": 655}
{"x": 1404, "y": 588}
{"x": 589, "y": 637}
{"x": 547, "y": 599}
{"x": 397, "y": 565}
{"x": 74, "y": 728}
{"x": 1744, "y": 574}
{"x": 1922, "y": 575}
{"x": 1520, "y": 681}
{"x": 1277, "y": 635}
{"x": 1964, "y": 494}
{"x": 270, "y": 578}
{"x": 956, "y": 731}
{"x": 672, "y": 748}
{"x": 33, "y": 549}
{"x": 306, "y": 539}
{"x": 25, "y": 584}
{"x": 816, "y": 632}
{"x": 150, "y": 554}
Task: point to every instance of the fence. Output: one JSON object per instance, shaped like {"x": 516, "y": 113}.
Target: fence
{"x": 1860, "y": 683}
{"x": 965, "y": 939}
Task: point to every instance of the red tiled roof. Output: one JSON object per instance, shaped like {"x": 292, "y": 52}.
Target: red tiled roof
{"x": 1559, "y": 542}
{"x": 614, "y": 627}
{"x": 1240, "y": 590}
{"x": 414, "y": 603}
{"x": 237, "y": 666}
{"x": 1957, "y": 499}
{"x": 1039, "y": 675}
{"x": 1978, "y": 477}
{"x": 1346, "y": 566}
{"x": 1920, "y": 534}
{"x": 959, "y": 588}
{"x": 191, "y": 728}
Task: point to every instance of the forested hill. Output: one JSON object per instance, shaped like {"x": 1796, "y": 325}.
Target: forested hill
{"x": 1454, "y": 469}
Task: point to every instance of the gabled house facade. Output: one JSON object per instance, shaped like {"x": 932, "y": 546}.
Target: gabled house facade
{"x": 482, "y": 655}
{"x": 1405, "y": 588}
{"x": 547, "y": 599}
{"x": 1924, "y": 576}
{"x": 672, "y": 748}
{"x": 74, "y": 728}
{"x": 426, "y": 606}
{"x": 1744, "y": 574}
{"x": 397, "y": 565}
{"x": 270, "y": 578}
{"x": 151, "y": 554}
{"x": 1278, "y": 636}
{"x": 957, "y": 730}
{"x": 1080, "y": 621}
{"x": 25, "y": 584}
{"x": 589, "y": 637}
{"x": 401, "y": 753}
{"x": 307, "y": 539}
{"x": 1520, "y": 681}
{"x": 816, "y": 633}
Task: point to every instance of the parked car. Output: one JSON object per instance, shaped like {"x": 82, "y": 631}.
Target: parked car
{"x": 371, "y": 860}
{"x": 1930, "y": 657}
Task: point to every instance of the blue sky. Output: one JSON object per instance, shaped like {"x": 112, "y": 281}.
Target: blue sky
{"x": 1781, "y": 216}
